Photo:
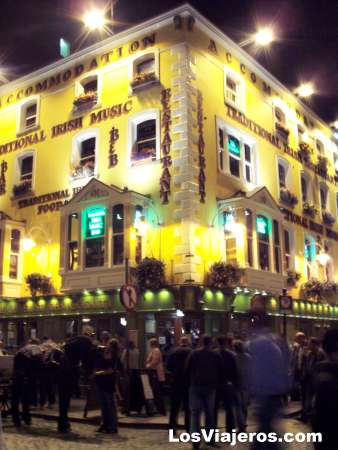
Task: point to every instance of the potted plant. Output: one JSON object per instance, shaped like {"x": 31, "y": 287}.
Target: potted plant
{"x": 149, "y": 274}
{"x": 38, "y": 283}
{"x": 309, "y": 210}
{"x": 328, "y": 218}
{"x": 288, "y": 197}
{"x": 322, "y": 164}
{"x": 292, "y": 278}
{"x": 312, "y": 289}
{"x": 304, "y": 152}
{"x": 21, "y": 189}
{"x": 86, "y": 99}
{"x": 224, "y": 275}
{"x": 142, "y": 78}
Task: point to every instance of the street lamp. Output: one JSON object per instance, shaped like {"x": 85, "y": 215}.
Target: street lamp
{"x": 94, "y": 19}
{"x": 264, "y": 37}
{"x": 305, "y": 90}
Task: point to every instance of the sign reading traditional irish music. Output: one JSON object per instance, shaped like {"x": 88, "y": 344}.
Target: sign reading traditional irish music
{"x": 95, "y": 222}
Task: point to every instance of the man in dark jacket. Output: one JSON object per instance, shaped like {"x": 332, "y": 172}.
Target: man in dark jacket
{"x": 326, "y": 394}
{"x": 226, "y": 392}
{"x": 204, "y": 371}
{"x": 179, "y": 386}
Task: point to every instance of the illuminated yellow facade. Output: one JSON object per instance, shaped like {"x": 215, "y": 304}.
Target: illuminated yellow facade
{"x": 211, "y": 157}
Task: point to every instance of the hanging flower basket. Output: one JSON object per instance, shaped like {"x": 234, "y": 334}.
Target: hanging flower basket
{"x": 224, "y": 275}
{"x": 328, "y": 218}
{"x": 322, "y": 164}
{"x": 85, "y": 99}
{"x": 288, "y": 197}
{"x": 304, "y": 152}
{"x": 22, "y": 188}
{"x": 317, "y": 290}
{"x": 292, "y": 278}
{"x": 38, "y": 284}
{"x": 149, "y": 274}
{"x": 309, "y": 210}
{"x": 143, "y": 78}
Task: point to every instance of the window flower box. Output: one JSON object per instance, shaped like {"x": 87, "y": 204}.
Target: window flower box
{"x": 288, "y": 197}
{"x": 309, "y": 210}
{"x": 304, "y": 152}
{"x": 292, "y": 278}
{"x": 23, "y": 188}
{"x": 85, "y": 101}
{"x": 141, "y": 80}
{"x": 83, "y": 171}
{"x": 322, "y": 164}
{"x": 328, "y": 218}
{"x": 317, "y": 290}
{"x": 282, "y": 131}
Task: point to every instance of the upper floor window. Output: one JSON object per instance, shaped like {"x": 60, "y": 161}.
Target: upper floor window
{"x": 304, "y": 187}
{"x": 86, "y": 92}
{"x": 84, "y": 155}
{"x": 323, "y": 191}
{"x": 118, "y": 234}
{"x": 280, "y": 124}
{"x": 282, "y": 173}
{"x": 23, "y": 176}
{"x": 145, "y": 70}
{"x": 14, "y": 253}
{"x": 28, "y": 117}
{"x": 144, "y": 131}
{"x": 236, "y": 156}
{"x": 320, "y": 148}
{"x": 234, "y": 89}
{"x": 263, "y": 242}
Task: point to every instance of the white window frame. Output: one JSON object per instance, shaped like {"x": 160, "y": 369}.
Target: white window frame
{"x": 18, "y": 163}
{"x": 21, "y": 123}
{"x": 327, "y": 200}
{"x": 224, "y": 153}
{"x": 76, "y": 148}
{"x": 291, "y": 254}
{"x": 287, "y": 166}
{"x": 133, "y": 122}
{"x": 239, "y": 102}
{"x": 86, "y": 78}
{"x": 134, "y": 62}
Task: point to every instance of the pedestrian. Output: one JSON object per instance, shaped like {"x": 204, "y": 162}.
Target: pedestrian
{"x": 179, "y": 392}
{"x": 309, "y": 362}
{"x": 325, "y": 383}
{"x": 226, "y": 392}
{"x": 107, "y": 366}
{"x": 3, "y": 351}
{"x": 243, "y": 361}
{"x": 269, "y": 379}
{"x": 155, "y": 361}
{"x": 24, "y": 373}
{"x": 131, "y": 356}
{"x": 297, "y": 355}
{"x": 204, "y": 372}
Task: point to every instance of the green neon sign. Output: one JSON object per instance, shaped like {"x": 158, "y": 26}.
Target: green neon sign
{"x": 95, "y": 222}
{"x": 262, "y": 225}
{"x": 234, "y": 146}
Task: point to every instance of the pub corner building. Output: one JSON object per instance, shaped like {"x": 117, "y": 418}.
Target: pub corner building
{"x": 165, "y": 141}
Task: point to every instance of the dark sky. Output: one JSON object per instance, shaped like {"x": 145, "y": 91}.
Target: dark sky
{"x": 307, "y": 48}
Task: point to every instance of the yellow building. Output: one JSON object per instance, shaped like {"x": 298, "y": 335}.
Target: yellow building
{"x": 167, "y": 141}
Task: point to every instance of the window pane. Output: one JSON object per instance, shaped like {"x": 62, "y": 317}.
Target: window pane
{"x": 247, "y": 152}
{"x": 15, "y": 241}
{"x": 145, "y": 145}
{"x": 221, "y": 137}
{"x": 287, "y": 241}
{"x": 146, "y": 66}
{"x": 281, "y": 175}
{"x": 276, "y": 232}
{"x": 73, "y": 227}
{"x": 118, "y": 255}
{"x": 27, "y": 165}
{"x": 323, "y": 197}
{"x": 88, "y": 148}
{"x": 277, "y": 259}
{"x": 13, "y": 266}
{"x": 146, "y": 130}
{"x": 231, "y": 84}
{"x": 248, "y": 173}
{"x": 118, "y": 219}
{"x": 94, "y": 252}
{"x": 263, "y": 228}
{"x": 31, "y": 110}
{"x": 73, "y": 256}
{"x": 230, "y": 249}
{"x": 234, "y": 167}
{"x": 304, "y": 189}
{"x": 263, "y": 254}
{"x": 90, "y": 86}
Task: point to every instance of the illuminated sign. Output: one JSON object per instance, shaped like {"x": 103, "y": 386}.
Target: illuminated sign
{"x": 262, "y": 225}
{"x": 95, "y": 222}
{"x": 234, "y": 146}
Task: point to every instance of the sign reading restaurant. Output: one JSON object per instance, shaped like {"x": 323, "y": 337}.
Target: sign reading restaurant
{"x": 79, "y": 69}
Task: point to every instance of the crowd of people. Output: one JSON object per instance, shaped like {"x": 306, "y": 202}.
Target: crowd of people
{"x": 264, "y": 371}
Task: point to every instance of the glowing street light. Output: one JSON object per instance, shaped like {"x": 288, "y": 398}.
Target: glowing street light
{"x": 305, "y": 90}
{"x": 264, "y": 37}
{"x": 94, "y": 19}
{"x": 27, "y": 244}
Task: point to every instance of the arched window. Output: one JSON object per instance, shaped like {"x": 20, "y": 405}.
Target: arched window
{"x": 283, "y": 173}
{"x": 323, "y": 191}
{"x": 86, "y": 92}
{"x": 280, "y": 124}
{"x": 145, "y": 71}
{"x": 262, "y": 225}
{"x": 144, "y": 137}
{"x": 24, "y": 174}
{"x": 84, "y": 155}
{"x": 118, "y": 234}
{"x": 280, "y": 116}
{"x": 234, "y": 89}
{"x": 28, "y": 116}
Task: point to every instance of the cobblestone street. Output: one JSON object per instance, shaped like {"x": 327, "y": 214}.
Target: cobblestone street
{"x": 42, "y": 435}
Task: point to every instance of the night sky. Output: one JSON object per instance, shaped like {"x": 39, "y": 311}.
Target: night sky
{"x": 306, "y": 50}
